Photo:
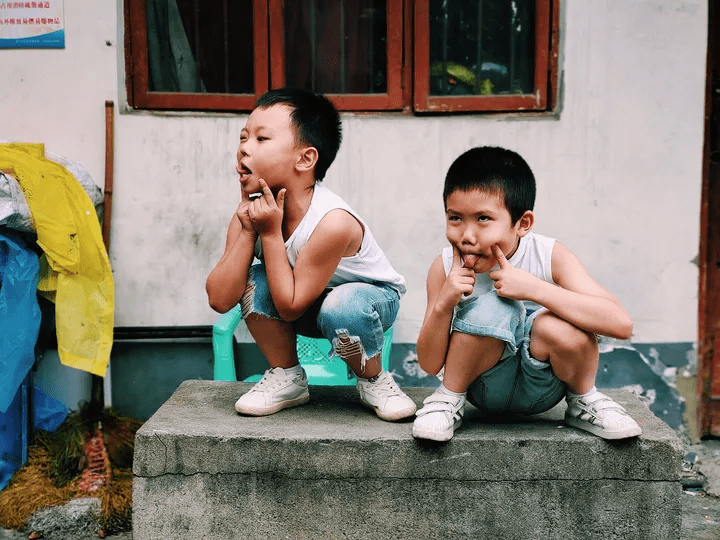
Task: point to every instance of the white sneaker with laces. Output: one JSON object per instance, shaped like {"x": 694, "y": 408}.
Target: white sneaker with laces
{"x": 382, "y": 394}
{"x": 601, "y": 416}
{"x": 276, "y": 390}
{"x": 440, "y": 416}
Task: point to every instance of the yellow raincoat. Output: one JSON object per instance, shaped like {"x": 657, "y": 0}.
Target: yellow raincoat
{"x": 75, "y": 272}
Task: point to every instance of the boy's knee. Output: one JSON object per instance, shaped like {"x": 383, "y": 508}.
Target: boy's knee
{"x": 347, "y": 346}
{"x": 256, "y": 298}
{"x": 338, "y": 311}
{"x": 551, "y": 334}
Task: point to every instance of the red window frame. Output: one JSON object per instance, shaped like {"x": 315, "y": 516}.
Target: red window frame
{"x": 537, "y": 101}
{"x": 408, "y": 78}
{"x": 136, "y": 57}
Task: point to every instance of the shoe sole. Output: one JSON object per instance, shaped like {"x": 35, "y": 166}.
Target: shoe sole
{"x": 398, "y": 415}
{"x": 600, "y": 432}
{"x": 440, "y": 436}
{"x": 277, "y": 407}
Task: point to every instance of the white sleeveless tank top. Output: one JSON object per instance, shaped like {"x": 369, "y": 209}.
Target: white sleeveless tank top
{"x": 369, "y": 264}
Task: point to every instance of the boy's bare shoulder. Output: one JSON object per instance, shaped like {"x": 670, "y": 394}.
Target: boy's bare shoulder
{"x": 339, "y": 227}
{"x": 569, "y": 272}
{"x": 563, "y": 254}
{"x": 437, "y": 269}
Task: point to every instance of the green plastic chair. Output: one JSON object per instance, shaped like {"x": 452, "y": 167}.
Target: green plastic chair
{"x": 312, "y": 353}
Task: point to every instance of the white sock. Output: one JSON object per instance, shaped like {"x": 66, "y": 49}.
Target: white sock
{"x": 442, "y": 389}
{"x": 295, "y": 371}
{"x": 571, "y": 395}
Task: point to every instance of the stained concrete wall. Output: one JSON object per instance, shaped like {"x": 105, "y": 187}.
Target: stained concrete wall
{"x": 618, "y": 167}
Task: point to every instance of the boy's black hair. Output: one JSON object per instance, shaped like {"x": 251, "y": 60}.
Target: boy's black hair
{"x": 315, "y": 119}
{"x": 496, "y": 170}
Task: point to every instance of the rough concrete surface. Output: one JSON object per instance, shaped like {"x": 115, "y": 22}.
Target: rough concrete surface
{"x": 200, "y": 469}
{"x": 700, "y": 510}
{"x": 700, "y": 521}
{"x": 198, "y": 431}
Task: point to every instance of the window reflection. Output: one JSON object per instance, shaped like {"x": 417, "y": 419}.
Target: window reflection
{"x": 481, "y": 47}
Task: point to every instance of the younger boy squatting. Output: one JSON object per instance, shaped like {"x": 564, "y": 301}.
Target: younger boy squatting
{"x": 320, "y": 271}
{"x": 512, "y": 315}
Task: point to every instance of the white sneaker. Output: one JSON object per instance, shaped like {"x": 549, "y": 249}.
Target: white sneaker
{"x": 601, "y": 416}
{"x": 277, "y": 390}
{"x": 440, "y": 416}
{"x": 385, "y": 397}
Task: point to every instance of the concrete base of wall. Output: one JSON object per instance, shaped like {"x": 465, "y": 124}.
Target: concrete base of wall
{"x": 331, "y": 469}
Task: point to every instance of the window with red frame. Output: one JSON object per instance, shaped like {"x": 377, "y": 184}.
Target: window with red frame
{"x": 458, "y": 55}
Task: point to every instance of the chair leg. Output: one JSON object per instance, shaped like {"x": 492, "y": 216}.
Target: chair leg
{"x": 224, "y": 356}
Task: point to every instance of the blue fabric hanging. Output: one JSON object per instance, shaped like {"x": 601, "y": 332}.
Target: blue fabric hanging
{"x": 19, "y": 314}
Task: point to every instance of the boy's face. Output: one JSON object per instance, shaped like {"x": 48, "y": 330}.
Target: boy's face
{"x": 267, "y": 149}
{"x": 475, "y": 221}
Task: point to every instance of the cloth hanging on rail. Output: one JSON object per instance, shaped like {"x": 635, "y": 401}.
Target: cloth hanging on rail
{"x": 75, "y": 270}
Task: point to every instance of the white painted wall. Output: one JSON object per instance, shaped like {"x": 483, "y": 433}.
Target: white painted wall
{"x": 618, "y": 171}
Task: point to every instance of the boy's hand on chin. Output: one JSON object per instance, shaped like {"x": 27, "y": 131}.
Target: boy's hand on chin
{"x": 243, "y": 214}
{"x": 511, "y": 282}
{"x": 266, "y": 212}
{"x": 459, "y": 282}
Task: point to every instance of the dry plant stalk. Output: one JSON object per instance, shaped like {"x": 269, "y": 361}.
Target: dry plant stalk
{"x": 30, "y": 490}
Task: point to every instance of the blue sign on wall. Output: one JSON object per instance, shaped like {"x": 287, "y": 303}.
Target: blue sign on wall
{"x": 38, "y": 24}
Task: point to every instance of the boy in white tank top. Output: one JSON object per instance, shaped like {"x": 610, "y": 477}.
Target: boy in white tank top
{"x": 512, "y": 316}
{"x": 321, "y": 272}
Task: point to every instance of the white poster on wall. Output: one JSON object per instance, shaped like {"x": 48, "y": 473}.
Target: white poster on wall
{"x": 32, "y": 25}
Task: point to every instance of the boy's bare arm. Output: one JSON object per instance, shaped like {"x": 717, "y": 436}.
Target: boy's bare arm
{"x": 443, "y": 294}
{"x": 293, "y": 290}
{"x": 226, "y": 283}
{"x": 578, "y": 299}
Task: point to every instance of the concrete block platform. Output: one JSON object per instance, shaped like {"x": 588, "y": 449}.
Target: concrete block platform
{"x": 332, "y": 470}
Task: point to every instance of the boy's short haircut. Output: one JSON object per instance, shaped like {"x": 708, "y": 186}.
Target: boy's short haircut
{"x": 315, "y": 119}
{"x": 495, "y": 170}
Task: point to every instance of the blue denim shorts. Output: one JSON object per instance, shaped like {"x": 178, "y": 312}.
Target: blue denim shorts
{"x": 362, "y": 311}
{"x": 518, "y": 383}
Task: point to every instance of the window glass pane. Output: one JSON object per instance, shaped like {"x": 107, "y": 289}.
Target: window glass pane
{"x": 200, "y": 46}
{"x": 482, "y": 47}
{"x": 336, "y": 46}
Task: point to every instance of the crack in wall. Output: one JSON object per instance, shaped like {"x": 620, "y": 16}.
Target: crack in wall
{"x": 418, "y": 479}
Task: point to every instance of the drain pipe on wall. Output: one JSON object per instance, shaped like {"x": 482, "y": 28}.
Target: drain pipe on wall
{"x": 100, "y": 395}
{"x": 109, "y": 162}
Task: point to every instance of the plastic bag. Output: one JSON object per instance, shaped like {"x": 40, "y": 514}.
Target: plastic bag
{"x": 19, "y": 314}
{"x": 48, "y": 412}
{"x": 14, "y": 434}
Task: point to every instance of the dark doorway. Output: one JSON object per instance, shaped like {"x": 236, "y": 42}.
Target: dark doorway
{"x": 709, "y": 254}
